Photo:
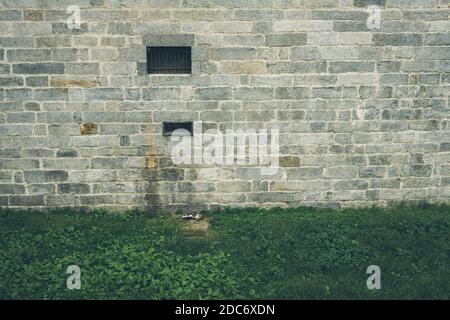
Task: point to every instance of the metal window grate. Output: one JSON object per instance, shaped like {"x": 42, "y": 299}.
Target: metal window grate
{"x": 170, "y": 127}
{"x": 169, "y": 60}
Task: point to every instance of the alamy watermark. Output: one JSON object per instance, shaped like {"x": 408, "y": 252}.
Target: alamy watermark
{"x": 74, "y": 280}
{"x": 374, "y": 280}
{"x": 374, "y": 19}
{"x": 248, "y": 147}
{"x": 74, "y": 20}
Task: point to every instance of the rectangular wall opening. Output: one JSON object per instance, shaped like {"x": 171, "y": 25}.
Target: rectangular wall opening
{"x": 178, "y": 128}
{"x": 169, "y": 60}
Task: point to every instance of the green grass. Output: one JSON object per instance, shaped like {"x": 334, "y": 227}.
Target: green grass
{"x": 249, "y": 254}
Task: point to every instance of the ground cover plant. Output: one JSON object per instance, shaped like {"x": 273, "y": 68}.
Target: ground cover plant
{"x": 301, "y": 253}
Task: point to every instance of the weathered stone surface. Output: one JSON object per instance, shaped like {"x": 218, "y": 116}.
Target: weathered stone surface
{"x": 291, "y": 93}
{"x": 67, "y": 153}
{"x": 168, "y": 39}
{"x": 290, "y": 161}
{"x": 59, "y": 82}
{"x": 362, "y": 114}
{"x": 219, "y": 93}
{"x": 366, "y": 3}
{"x": 37, "y": 81}
{"x": 286, "y": 39}
{"x": 243, "y": 67}
{"x": 11, "y": 188}
{"x": 36, "y": 176}
{"x": 38, "y": 68}
{"x": 33, "y": 15}
{"x": 399, "y": 39}
{"x": 74, "y": 188}
{"x": 88, "y": 128}
{"x": 109, "y": 163}
{"x": 26, "y": 201}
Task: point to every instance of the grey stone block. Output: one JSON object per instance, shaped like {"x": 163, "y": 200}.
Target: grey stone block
{"x": 4, "y": 201}
{"x": 62, "y": 28}
{"x": 10, "y": 15}
{"x": 397, "y": 39}
{"x": 292, "y": 93}
{"x": 41, "y": 188}
{"x": 168, "y": 93}
{"x": 74, "y": 188}
{"x": 16, "y": 42}
{"x": 296, "y": 67}
{"x": 437, "y": 39}
{"x": 19, "y": 164}
{"x": 84, "y": 68}
{"x": 214, "y": 93}
{"x": 350, "y": 26}
{"x": 366, "y": 3}
{"x": 37, "y": 81}
{"x": 5, "y": 68}
{"x": 18, "y": 177}
{"x": 26, "y": 201}
{"x": 258, "y": 15}
{"x": 37, "y": 153}
{"x": 286, "y": 39}
{"x": 11, "y": 82}
{"x": 51, "y": 42}
{"x": 51, "y": 94}
{"x": 388, "y": 66}
{"x": 327, "y": 92}
{"x": 372, "y": 172}
{"x": 11, "y": 189}
{"x": 21, "y": 117}
{"x": 324, "y": 14}
{"x": 104, "y": 94}
{"x": 426, "y": 15}
{"x": 351, "y": 66}
{"x": 152, "y": 39}
{"x": 96, "y": 200}
{"x": 304, "y": 173}
{"x": 65, "y": 54}
{"x": 38, "y": 68}
{"x": 43, "y": 176}
{"x": 305, "y": 53}
{"x": 256, "y": 93}
{"x": 67, "y": 153}
{"x": 121, "y": 28}
{"x": 109, "y": 163}
{"x": 416, "y": 170}
{"x": 5, "y": 175}
{"x": 351, "y": 185}
{"x": 27, "y": 55}
{"x": 18, "y": 94}
{"x": 233, "y": 54}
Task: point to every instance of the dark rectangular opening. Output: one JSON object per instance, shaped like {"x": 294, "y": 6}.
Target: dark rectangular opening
{"x": 169, "y": 60}
{"x": 185, "y": 128}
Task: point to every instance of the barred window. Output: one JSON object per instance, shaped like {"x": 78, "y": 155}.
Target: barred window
{"x": 169, "y": 60}
{"x": 170, "y": 127}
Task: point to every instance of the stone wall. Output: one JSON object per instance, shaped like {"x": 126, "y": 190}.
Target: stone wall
{"x": 362, "y": 113}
